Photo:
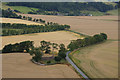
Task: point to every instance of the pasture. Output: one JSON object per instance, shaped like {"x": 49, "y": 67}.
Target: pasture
{"x": 18, "y": 65}
{"x": 99, "y": 61}
{"x": 20, "y": 21}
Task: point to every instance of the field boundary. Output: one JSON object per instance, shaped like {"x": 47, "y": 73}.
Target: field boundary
{"x": 78, "y": 33}
{"x": 79, "y": 70}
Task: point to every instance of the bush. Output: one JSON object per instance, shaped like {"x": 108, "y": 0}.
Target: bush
{"x": 58, "y": 59}
{"x": 104, "y": 35}
{"x": 48, "y": 62}
{"x": 62, "y": 55}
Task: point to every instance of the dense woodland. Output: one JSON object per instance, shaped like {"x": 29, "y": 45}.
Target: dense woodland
{"x": 67, "y": 8}
{"x": 9, "y": 14}
{"x": 18, "y": 29}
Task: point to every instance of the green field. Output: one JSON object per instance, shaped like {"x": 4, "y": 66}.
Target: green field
{"x": 94, "y": 13}
{"x": 114, "y": 12}
{"x": 23, "y": 9}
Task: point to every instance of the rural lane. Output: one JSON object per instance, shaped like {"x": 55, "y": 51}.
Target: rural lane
{"x": 72, "y": 63}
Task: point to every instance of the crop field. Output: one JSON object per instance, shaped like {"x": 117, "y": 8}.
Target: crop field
{"x": 57, "y": 37}
{"x": 18, "y": 65}
{"x": 86, "y": 24}
{"x": 99, "y": 61}
{"x": 20, "y": 21}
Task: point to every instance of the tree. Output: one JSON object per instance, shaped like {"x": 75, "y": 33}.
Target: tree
{"x": 19, "y": 17}
{"x": 30, "y": 18}
{"x": 98, "y": 38}
{"x": 48, "y": 48}
{"x": 24, "y": 17}
{"x": 36, "y": 53}
{"x": 104, "y": 36}
{"x": 25, "y": 45}
{"x": 62, "y": 51}
{"x": 37, "y": 20}
{"x": 58, "y": 59}
{"x": 34, "y": 20}
{"x": 7, "y": 48}
{"x": 54, "y": 46}
{"x": 45, "y": 46}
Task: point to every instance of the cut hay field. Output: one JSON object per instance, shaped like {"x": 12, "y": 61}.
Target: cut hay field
{"x": 99, "y": 61}
{"x": 20, "y": 21}
{"x": 18, "y": 65}
{"x": 57, "y": 37}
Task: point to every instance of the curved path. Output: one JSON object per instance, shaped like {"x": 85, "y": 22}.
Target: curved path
{"x": 72, "y": 63}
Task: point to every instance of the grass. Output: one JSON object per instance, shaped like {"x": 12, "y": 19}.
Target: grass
{"x": 94, "y": 13}
{"x": 52, "y": 61}
{"x": 23, "y": 9}
{"x": 110, "y": 3}
{"x": 114, "y": 12}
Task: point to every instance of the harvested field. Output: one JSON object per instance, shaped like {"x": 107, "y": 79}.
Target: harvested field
{"x": 57, "y": 37}
{"x": 20, "y": 21}
{"x": 18, "y": 65}
{"x": 86, "y": 24}
{"x": 99, "y": 61}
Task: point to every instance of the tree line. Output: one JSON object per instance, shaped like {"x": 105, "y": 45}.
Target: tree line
{"x": 11, "y": 14}
{"x": 18, "y": 29}
{"x": 90, "y": 40}
{"x": 18, "y": 47}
